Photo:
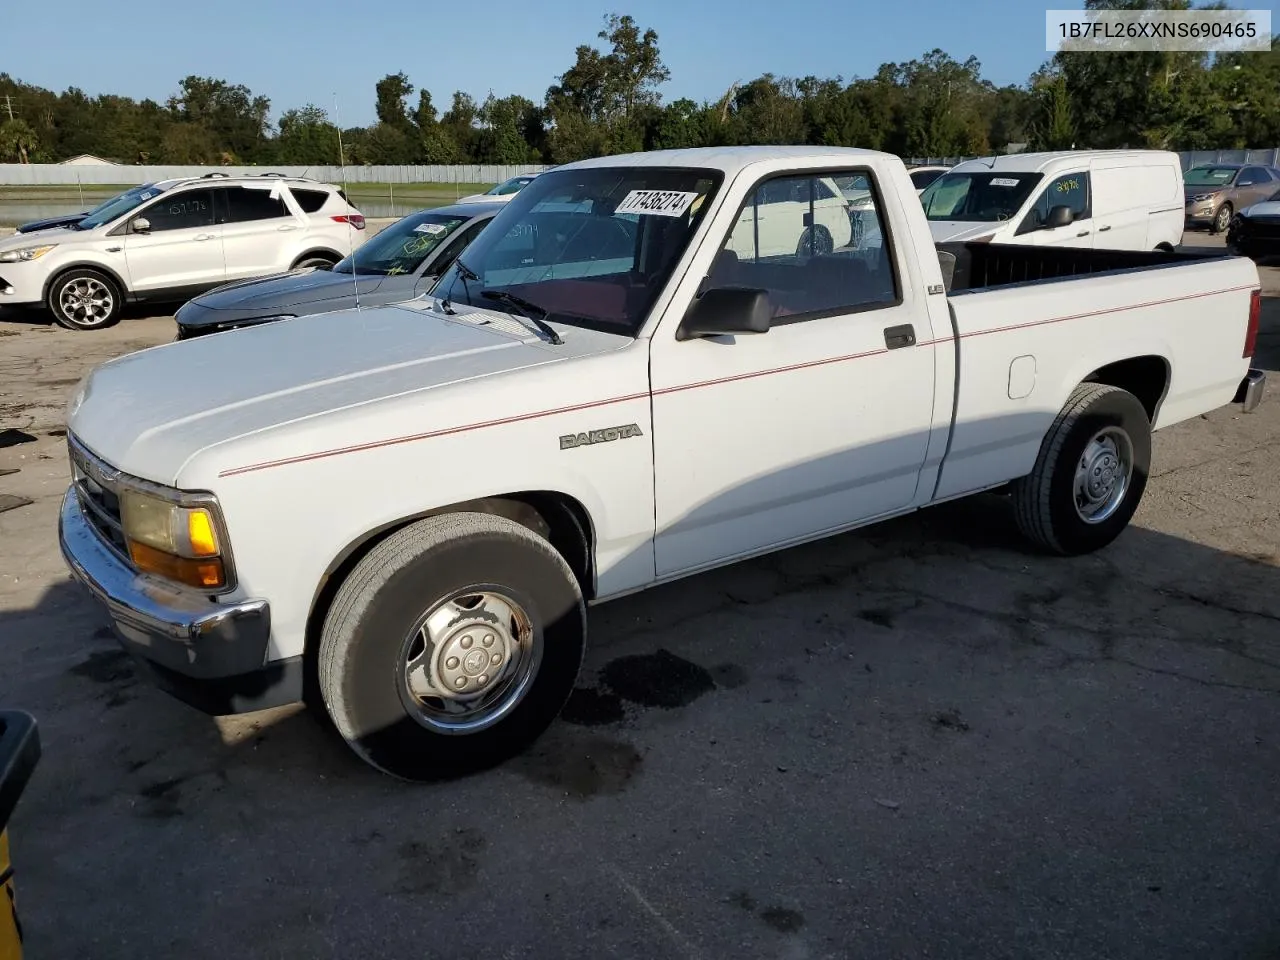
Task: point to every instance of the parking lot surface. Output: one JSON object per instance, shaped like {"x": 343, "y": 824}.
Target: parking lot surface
{"x": 918, "y": 740}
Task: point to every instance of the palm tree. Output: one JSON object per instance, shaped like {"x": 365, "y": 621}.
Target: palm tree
{"x": 17, "y": 141}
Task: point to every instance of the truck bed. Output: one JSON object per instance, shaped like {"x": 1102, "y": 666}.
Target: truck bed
{"x": 980, "y": 266}
{"x": 1029, "y": 323}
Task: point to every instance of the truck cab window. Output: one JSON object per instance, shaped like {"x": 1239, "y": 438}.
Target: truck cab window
{"x": 814, "y": 242}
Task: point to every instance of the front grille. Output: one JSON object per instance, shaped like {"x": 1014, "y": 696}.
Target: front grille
{"x": 98, "y": 491}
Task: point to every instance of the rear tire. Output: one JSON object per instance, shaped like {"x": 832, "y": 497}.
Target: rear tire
{"x": 814, "y": 242}
{"x": 468, "y": 600}
{"x": 84, "y": 299}
{"x": 316, "y": 260}
{"x": 1090, "y": 474}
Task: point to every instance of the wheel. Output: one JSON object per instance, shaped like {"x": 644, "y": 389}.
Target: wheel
{"x": 1090, "y": 474}
{"x": 1221, "y": 219}
{"x": 451, "y": 646}
{"x": 814, "y": 242}
{"x": 85, "y": 299}
{"x": 317, "y": 260}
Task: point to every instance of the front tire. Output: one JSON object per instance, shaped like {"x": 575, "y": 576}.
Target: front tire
{"x": 1222, "y": 219}
{"x": 1090, "y": 474}
{"x": 451, "y": 646}
{"x": 85, "y": 299}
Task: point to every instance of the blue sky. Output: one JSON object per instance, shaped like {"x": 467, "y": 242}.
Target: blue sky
{"x": 296, "y": 52}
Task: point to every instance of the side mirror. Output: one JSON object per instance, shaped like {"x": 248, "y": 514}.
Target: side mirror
{"x": 140, "y": 225}
{"x": 723, "y": 311}
{"x": 1059, "y": 216}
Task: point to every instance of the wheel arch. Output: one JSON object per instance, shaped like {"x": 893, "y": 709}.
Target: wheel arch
{"x": 1147, "y": 377}
{"x": 559, "y": 517}
{"x": 121, "y": 287}
{"x": 315, "y": 252}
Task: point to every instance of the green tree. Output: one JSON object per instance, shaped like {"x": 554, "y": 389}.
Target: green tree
{"x": 18, "y": 141}
{"x": 307, "y": 137}
{"x": 391, "y": 92}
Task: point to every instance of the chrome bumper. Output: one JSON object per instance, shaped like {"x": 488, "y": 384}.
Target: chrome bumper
{"x": 182, "y": 630}
{"x": 1249, "y": 393}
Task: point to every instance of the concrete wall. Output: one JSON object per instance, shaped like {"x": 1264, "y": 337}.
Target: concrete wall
{"x": 50, "y": 174}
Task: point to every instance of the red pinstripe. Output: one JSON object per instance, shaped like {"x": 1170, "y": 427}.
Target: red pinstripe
{"x": 465, "y": 428}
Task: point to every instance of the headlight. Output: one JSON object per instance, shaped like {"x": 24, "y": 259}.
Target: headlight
{"x": 180, "y": 543}
{"x": 26, "y": 253}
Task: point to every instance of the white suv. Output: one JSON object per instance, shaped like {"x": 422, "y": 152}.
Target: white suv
{"x": 170, "y": 240}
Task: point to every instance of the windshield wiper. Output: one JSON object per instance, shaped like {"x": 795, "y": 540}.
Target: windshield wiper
{"x": 466, "y": 271}
{"x": 532, "y": 311}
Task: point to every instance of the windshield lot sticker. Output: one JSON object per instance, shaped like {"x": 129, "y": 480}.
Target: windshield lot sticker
{"x": 431, "y": 228}
{"x": 656, "y": 203}
{"x": 1003, "y": 182}
{"x": 570, "y": 440}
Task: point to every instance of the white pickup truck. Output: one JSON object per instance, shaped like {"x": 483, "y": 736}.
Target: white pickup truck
{"x": 406, "y": 510}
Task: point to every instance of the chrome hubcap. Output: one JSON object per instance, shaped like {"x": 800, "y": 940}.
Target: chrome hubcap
{"x": 1103, "y": 475}
{"x": 86, "y": 301}
{"x": 469, "y": 661}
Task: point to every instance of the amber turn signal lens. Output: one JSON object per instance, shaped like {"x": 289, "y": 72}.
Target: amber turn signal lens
{"x": 204, "y": 542}
{"x": 206, "y": 574}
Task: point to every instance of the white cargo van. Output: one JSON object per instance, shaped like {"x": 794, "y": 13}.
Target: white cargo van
{"x": 1102, "y": 199}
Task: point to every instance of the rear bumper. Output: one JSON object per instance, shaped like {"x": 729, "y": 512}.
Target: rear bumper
{"x": 1249, "y": 393}
{"x": 212, "y": 655}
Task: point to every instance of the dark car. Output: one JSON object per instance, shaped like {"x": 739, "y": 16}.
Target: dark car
{"x": 400, "y": 262}
{"x": 1215, "y": 191}
{"x": 1255, "y": 231}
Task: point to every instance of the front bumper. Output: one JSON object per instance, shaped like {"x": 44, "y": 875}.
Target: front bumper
{"x": 1252, "y": 387}
{"x": 210, "y": 654}
{"x": 20, "y": 285}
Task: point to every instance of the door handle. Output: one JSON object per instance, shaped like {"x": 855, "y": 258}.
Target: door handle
{"x": 1103, "y": 229}
{"x": 902, "y": 336}
{"x": 114, "y": 249}
{"x": 287, "y": 226}
{"x": 1083, "y": 233}
{"x": 204, "y": 236}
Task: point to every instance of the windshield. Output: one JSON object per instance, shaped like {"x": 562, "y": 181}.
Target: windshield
{"x": 119, "y": 205}
{"x": 978, "y": 197}
{"x": 593, "y": 247}
{"x": 401, "y": 247}
{"x": 1209, "y": 176}
{"x": 509, "y": 186}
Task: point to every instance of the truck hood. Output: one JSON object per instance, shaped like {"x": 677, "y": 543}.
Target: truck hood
{"x": 958, "y": 231}
{"x": 148, "y": 413}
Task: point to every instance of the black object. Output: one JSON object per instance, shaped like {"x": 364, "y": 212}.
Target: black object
{"x": 723, "y": 311}
{"x": 1059, "y": 216}
{"x": 900, "y": 336}
{"x": 67, "y": 220}
{"x": 19, "y": 753}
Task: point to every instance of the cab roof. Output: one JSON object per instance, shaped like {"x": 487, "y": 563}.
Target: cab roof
{"x": 729, "y": 160}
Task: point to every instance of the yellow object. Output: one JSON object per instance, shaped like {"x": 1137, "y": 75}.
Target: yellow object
{"x": 204, "y": 542}
{"x": 10, "y": 933}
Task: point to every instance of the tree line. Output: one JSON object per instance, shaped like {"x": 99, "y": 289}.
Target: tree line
{"x": 609, "y": 101}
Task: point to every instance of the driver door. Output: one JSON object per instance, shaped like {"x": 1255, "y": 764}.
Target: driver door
{"x": 181, "y": 247}
{"x": 1071, "y": 190}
